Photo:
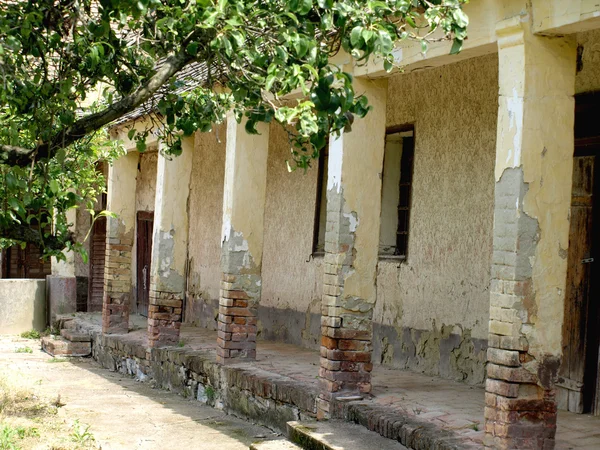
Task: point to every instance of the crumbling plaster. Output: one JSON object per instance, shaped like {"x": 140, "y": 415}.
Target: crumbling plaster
{"x": 145, "y": 189}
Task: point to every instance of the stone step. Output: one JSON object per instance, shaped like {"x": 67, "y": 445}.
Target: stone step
{"x": 337, "y": 435}
{"x": 59, "y": 346}
{"x": 278, "y": 444}
{"x": 74, "y": 336}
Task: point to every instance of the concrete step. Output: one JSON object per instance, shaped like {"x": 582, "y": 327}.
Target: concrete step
{"x": 59, "y": 346}
{"x": 337, "y": 435}
{"x": 278, "y": 444}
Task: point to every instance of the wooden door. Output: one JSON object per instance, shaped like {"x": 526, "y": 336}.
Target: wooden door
{"x": 97, "y": 255}
{"x": 578, "y": 370}
{"x": 26, "y": 263}
{"x": 145, "y": 223}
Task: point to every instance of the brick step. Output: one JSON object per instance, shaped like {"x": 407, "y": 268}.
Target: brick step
{"x": 337, "y": 435}
{"x": 74, "y": 336}
{"x": 59, "y": 346}
{"x": 278, "y": 444}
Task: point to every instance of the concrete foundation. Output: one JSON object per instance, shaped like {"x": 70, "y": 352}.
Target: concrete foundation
{"x": 22, "y": 305}
{"x": 61, "y": 293}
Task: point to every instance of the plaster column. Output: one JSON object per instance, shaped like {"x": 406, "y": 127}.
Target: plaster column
{"x": 351, "y": 251}
{"x": 119, "y": 242}
{"x": 242, "y": 240}
{"x": 533, "y": 175}
{"x": 169, "y": 246}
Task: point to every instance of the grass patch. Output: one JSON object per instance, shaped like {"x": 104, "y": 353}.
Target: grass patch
{"x": 181, "y": 343}
{"x": 57, "y": 360}
{"x": 31, "y": 334}
{"x": 24, "y": 350}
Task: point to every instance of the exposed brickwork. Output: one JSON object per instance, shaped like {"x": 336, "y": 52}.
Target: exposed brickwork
{"x": 164, "y": 317}
{"x": 346, "y": 326}
{"x": 520, "y": 407}
{"x": 237, "y": 322}
{"x": 117, "y": 286}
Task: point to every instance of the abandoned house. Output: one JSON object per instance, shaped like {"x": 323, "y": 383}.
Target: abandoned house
{"x": 449, "y": 233}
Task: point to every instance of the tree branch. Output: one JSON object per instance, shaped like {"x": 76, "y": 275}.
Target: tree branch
{"x": 17, "y": 156}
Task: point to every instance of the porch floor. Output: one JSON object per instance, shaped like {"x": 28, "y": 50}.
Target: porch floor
{"x": 448, "y": 404}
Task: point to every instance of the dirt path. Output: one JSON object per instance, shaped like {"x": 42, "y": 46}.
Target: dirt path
{"x": 47, "y": 403}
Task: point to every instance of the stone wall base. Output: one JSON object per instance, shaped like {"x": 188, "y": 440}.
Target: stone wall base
{"x": 265, "y": 398}
{"x": 242, "y": 389}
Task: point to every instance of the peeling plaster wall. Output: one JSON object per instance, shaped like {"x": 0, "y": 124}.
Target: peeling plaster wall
{"x": 146, "y": 182}
{"x": 432, "y": 310}
{"x": 205, "y": 218}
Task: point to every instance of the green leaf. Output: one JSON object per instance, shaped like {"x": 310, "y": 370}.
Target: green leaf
{"x": 384, "y": 42}
{"x": 192, "y": 48}
{"x": 456, "y": 46}
{"x": 461, "y": 19}
{"x": 54, "y": 186}
{"x": 355, "y": 36}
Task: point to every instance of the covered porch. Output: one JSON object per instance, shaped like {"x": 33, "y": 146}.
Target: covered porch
{"x": 413, "y": 408}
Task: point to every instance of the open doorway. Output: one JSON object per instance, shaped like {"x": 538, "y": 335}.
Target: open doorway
{"x": 145, "y": 224}
{"x": 579, "y": 384}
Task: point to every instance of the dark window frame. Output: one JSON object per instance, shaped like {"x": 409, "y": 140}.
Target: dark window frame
{"x": 407, "y": 165}
{"x": 321, "y": 177}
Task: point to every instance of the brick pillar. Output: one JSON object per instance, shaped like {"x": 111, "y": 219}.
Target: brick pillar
{"x": 242, "y": 240}
{"x": 119, "y": 241}
{"x": 351, "y": 246}
{"x": 169, "y": 246}
{"x": 534, "y": 161}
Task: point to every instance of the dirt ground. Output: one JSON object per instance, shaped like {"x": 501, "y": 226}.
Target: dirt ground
{"x": 55, "y": 403}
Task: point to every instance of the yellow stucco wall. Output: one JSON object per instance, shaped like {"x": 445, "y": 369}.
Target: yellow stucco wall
{"x": 206, "y": 213}
{"x": 588, "y": 77}
{"x": 446, "y": 276}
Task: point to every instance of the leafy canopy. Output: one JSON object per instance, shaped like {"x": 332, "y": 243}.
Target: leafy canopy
{"x": 69, "y": 68}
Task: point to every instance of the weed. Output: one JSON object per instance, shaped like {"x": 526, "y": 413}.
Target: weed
{"x": 81, "y": 433}
{"x": 8, "y": 437}
{"x": 57, "y": 360}
{"x": 474, "y": 426}
{"x": 31, "y": 334}
{"x": 24, "y": 350}
{"x": 181, "y": 343}
{"x": 25, "y": 432}
{"x": 50, "y": 330}
{"x": 210, "y": 394}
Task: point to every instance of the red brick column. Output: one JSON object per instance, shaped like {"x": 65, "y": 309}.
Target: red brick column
{"x": 119, "y": 242}
{"x": 236, "y": 336}
{"x": 351, "y": 248}
{"x": 164, "y": 317}
{"x": 244, "y": 197}
{"x": 533, "y": 178}
{"x": 169, "y": 247}
{"x": 117, "y": 286}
